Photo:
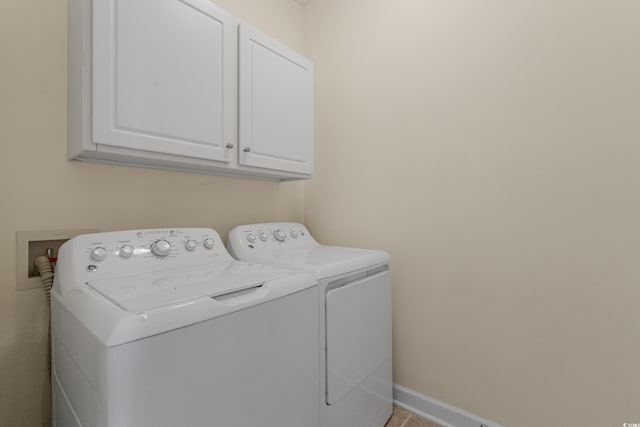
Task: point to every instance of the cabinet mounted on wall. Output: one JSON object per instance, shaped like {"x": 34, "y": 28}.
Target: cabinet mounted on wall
{"x": 184, "y": 85}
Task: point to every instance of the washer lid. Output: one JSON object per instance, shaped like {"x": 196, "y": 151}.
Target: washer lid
{"x": 146, "y": 291}
{"x": 326, "y": 261}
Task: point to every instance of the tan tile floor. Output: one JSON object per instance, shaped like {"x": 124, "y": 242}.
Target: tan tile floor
{"x": 403, "y": 418}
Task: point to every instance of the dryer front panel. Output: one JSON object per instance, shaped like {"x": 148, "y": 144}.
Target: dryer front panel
{"x": 358, "y": 334}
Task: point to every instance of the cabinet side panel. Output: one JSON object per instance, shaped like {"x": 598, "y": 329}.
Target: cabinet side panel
{"x": 78, "y": 78}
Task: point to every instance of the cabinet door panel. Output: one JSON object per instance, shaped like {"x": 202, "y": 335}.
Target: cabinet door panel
{"x": 276, "y": 105}
{"x": 164, "y": 76}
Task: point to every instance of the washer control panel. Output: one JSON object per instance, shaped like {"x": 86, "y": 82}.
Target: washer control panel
{"x": 152, "y": 243}
{"x": 124, "y": 252}
{"x": 271, "y": 236}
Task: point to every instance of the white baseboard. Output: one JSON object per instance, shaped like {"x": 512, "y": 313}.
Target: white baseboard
{"x": 437, "y": 411}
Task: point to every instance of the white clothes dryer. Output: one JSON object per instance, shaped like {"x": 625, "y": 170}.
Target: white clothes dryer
{"x": 355, "y": 317}
{"x": 163, "y": 328}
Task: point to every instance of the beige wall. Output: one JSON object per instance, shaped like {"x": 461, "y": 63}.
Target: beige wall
{"x": 39, "y": 189}
{"x": 493, "y": 148}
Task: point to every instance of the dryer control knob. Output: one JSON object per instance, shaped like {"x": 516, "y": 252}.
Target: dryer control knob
{"x": 279, "y": 235}
{"x": 208, "y": 243}
{"x": 294, "y": 234}
{"x": 263, "y": 236}
{"x": 161, "y": 248}
{"x": 98, "y": 253}
{"x": 251, "y": 237}
{"x": 126, "y": 251}
{"x": 190, "y": 245}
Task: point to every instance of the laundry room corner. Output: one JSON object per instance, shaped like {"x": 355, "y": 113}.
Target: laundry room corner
{"x": 481, "y": 155}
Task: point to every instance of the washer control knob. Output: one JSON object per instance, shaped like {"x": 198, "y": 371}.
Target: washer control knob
{"x": 263, "y": 236}
{"x": 161, "y": 248}
{"x": 294, "y": 234}
{"x": 126, "y": 251}
{"x": 190, "y": 245}
{"x": 98, "y": 253}
{"x": 279, "y": 235}
{"x": 251, "y": 237}
{"x": 208, "y": 243}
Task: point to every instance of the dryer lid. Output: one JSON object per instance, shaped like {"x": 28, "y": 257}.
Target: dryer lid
{"x": 146, "y": 291}
{"x": 326, "y": 261}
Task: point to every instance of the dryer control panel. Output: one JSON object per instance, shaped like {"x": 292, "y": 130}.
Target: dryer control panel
{"x": 290, "y": 245}
{"x": 271, "y": 236}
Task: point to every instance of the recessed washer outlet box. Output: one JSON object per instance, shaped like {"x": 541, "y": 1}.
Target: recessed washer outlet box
{"x": 32, "y": 244}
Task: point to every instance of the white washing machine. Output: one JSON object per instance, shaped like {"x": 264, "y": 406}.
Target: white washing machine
{"x": 355, "y": 317}
{"x": 163, "y": 328}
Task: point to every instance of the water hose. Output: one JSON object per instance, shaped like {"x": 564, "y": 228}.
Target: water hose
{"x": 46, "y": 274}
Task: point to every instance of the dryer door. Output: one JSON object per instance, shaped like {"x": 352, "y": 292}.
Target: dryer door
{"x": 358, "y": 322}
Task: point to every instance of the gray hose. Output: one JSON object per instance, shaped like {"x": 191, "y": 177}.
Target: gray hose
{"x": 46, "y": 273}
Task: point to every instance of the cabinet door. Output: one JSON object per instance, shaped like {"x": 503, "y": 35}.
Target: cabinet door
{"x": 276, "y": 105}
{"x": 164, "y": 77}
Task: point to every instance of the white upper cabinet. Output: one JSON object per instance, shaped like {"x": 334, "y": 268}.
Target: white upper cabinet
{"x": 163, "y": 76}
{"x": 183, "y": 85}
{"x": 275, "y": 104}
